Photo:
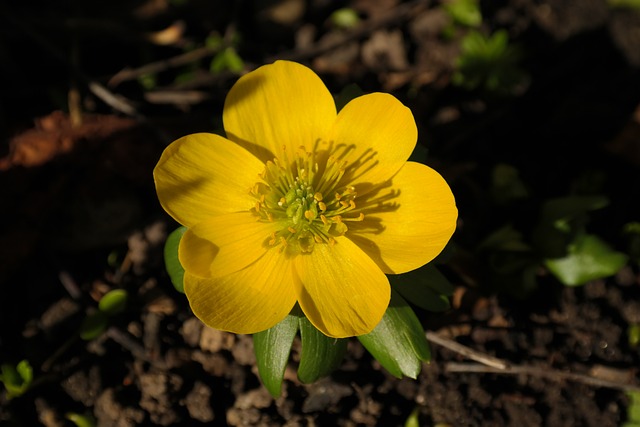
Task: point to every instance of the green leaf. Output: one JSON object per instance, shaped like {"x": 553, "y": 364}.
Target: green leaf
{"x": 398, "y": 342}
{"x": 16, "y": 379}
{"x": 413, "y": 420}
{"x": 226, "y": 60}
{"x": 320, "y": 354}
{"x": 571, "y": 207}
{"x": 464, "y": 12}
{"x": 425, "y": 287}
{"x": 345, "y": 18}
{"x": 272, "y": 348}
{"x": 171, "y": 261}
{"x": 93, "y": 325}
{"x": 81, "y": 420}
{"x": 588, "y": 258}
{"x": 633, "y": 335}
{"x": 113, "y": 302}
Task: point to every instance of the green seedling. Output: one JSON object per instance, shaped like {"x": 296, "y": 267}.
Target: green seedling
{"x": 624, "y": 4}
{"x": 111, "y": 304}
{"x": 16, "y": 379}
{"x": 345, "y": 18}
{"x": 633, "y": 410}
{"x": 464, "y": 13}
{"x": 489, "y": 63}
{"x": 560, "y": 243}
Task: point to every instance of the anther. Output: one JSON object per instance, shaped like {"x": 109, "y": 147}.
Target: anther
{"x": 322, "y": 206}
{"x": 318, "y": 196}
{"x": 309, "y": 215}
{"x": 324, "y": 219}
{"x": 291, "y": 229}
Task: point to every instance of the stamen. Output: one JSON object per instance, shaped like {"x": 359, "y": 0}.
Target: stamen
{"x": 291, "y": 192}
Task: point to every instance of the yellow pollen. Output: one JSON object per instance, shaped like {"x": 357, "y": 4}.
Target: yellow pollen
{"x": 291, "y": 229}
{"x": 352, "y": 204}
{"x": 322, "y": 206}
{"x": 309, "y": 215}
{"x": 318, "y": 197}
{"x": 272, "y": 241}
{"x": 337, "y": 219}
{"x": 344, "y": 204}
{"x": 324, "y": 219}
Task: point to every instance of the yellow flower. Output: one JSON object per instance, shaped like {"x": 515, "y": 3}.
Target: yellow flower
{"x": 301, "y": 204}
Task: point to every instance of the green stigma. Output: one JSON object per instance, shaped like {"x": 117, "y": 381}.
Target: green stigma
{"x": 293, "y": 193}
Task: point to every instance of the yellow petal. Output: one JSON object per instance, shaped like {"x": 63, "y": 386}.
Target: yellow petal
{"x": 408, "y": 222}
{"x": 247, "y": 301}
{"x": 382, "y": 134}
{"x": 340, "y": 289}
{"x": 202, "y": 175}
{"x": 281, "y": 104}
{"x": 224, "y": 244}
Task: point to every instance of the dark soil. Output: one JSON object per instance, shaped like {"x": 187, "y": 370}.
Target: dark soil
{"x": 81, "y": 217}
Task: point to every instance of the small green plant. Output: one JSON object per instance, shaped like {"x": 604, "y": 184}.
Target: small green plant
{"x": 227, "y": 59}
{"x": 16, "y": 379}
{"x": 345, "y": 18}
{"x": 464, "y": 12}
{"x": 112, "y": 303}
{"x": 489, "y": 63}
{"x": 560, "y": 243}
{"x": 627, "y": 4}
{"x": 633, "y": 410}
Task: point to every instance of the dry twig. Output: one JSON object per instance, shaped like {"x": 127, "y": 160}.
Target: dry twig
{"x": 493, "y": 365}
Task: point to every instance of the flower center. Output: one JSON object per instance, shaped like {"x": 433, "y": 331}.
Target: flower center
{"x": 308, "y": 197}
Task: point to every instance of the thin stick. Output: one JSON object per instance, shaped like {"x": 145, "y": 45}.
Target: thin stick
{"x": 158, "y": 66}
{"x": 543, "y": 372}
{"x": 472, "y": 354}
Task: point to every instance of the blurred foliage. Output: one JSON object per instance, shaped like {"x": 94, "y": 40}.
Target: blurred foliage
{"x": 345, "y": 18}
{"x": 633, "y": 410}
{"x": 489, "y": 63}
{"x": 16, "y": 379}
{"x": 629, "y": 4}
{"x": 96, "y": 322}
{"x": 559, "y": 242}
{"x": 464, "y": 12}
{"x": 81, "y": 420}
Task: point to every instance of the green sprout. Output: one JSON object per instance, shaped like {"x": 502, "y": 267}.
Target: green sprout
{"x": 489, "y": 62}
{"x": 16, "y": 379}
{"x": 345, "y": 18}
{"x": 465, "y": 13}
{"x": 624, "y": 4}
{"x": 560, "y": 242}
{"x": 633, "y": 410}
{"x": 112, "y": 303}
